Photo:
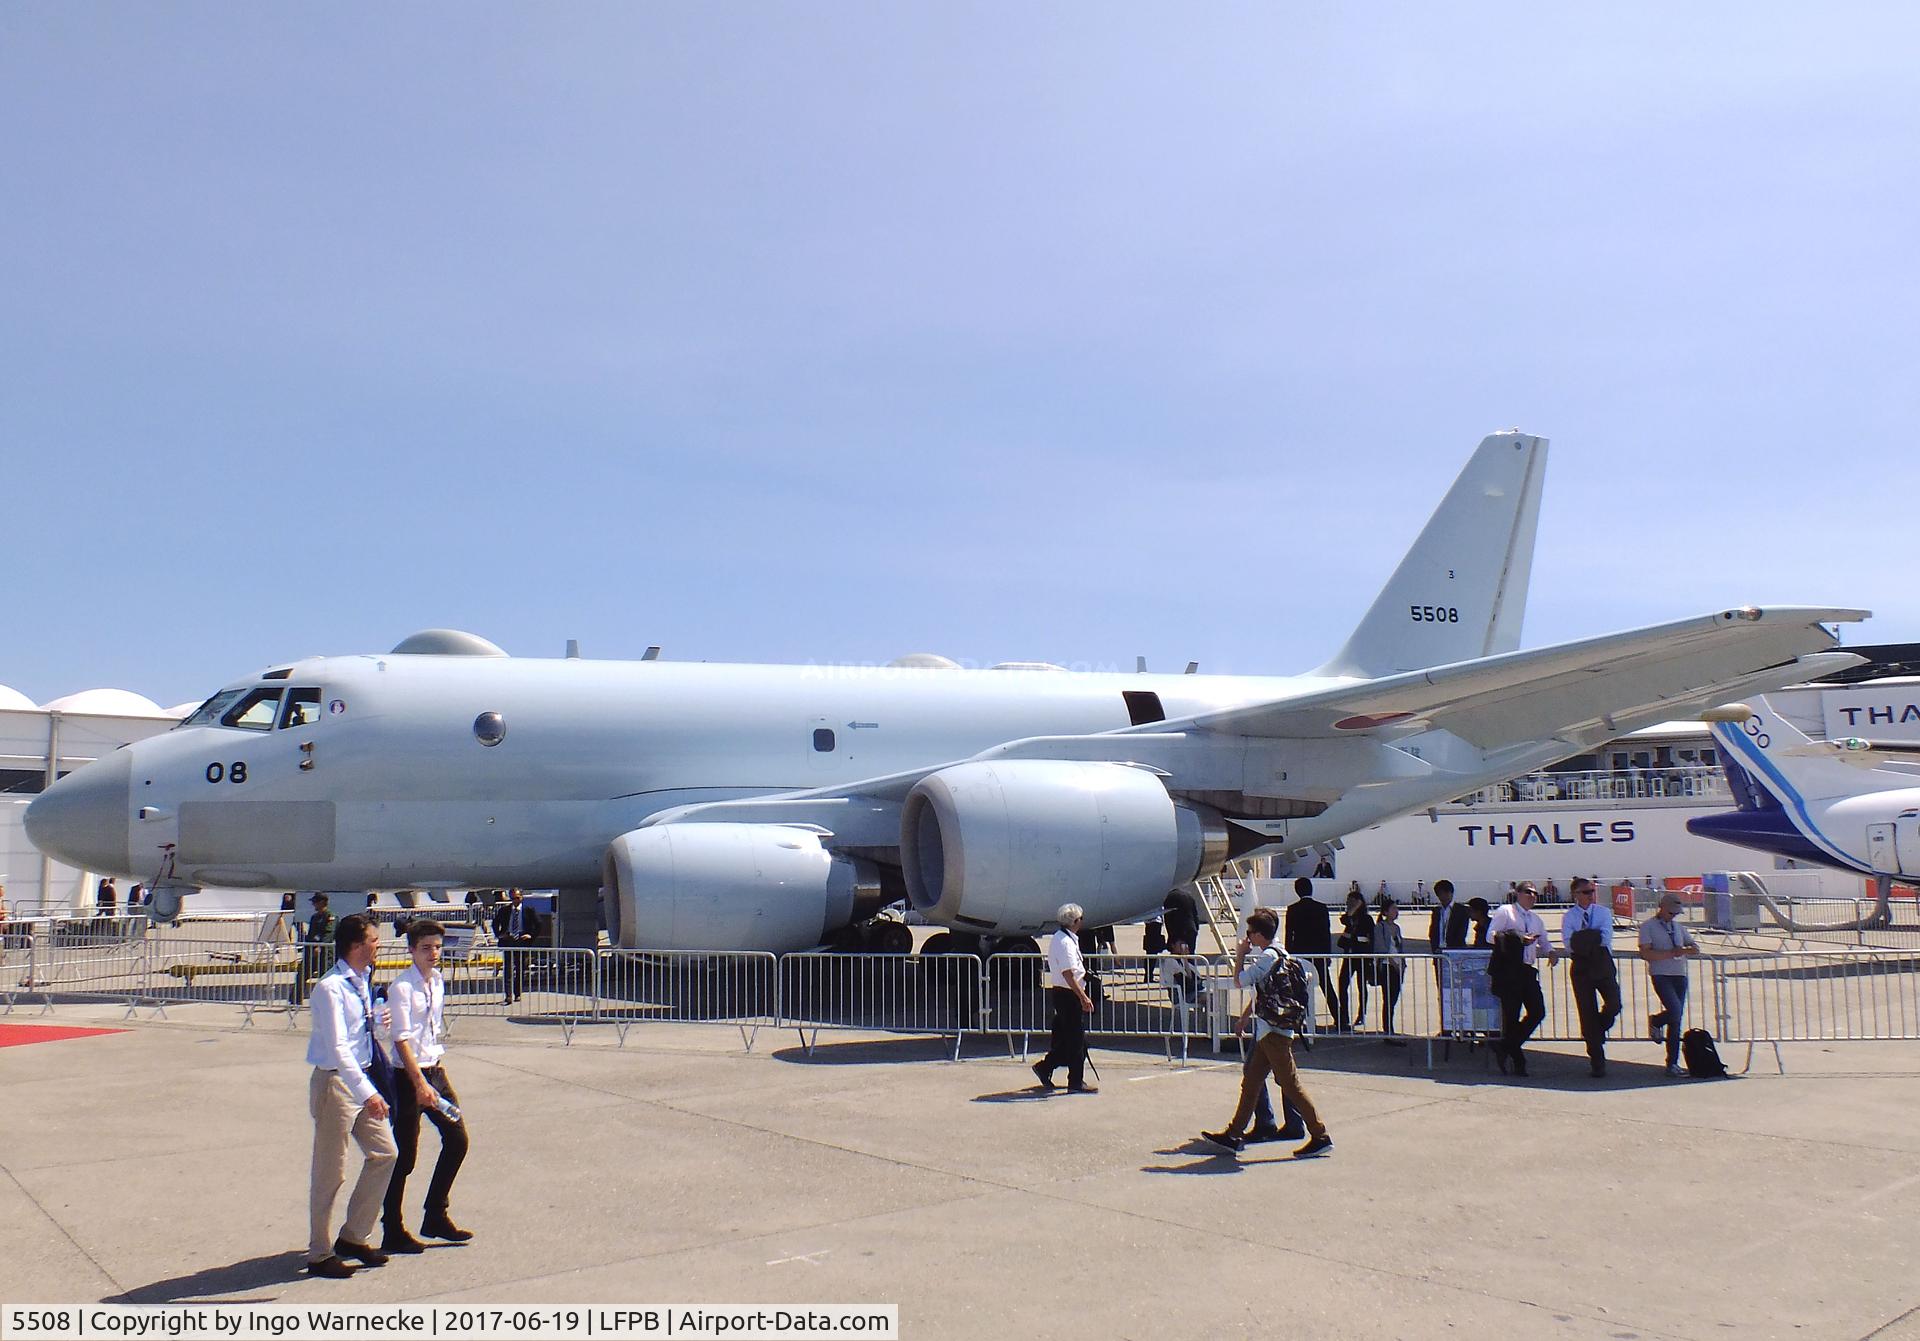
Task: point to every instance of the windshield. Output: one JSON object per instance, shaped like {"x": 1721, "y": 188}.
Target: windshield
{"x": 209, "y": 712}
{"x": 248, "y": 709}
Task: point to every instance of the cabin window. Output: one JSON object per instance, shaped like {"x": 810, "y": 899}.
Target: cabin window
{"x": 823, "y": 740}
{"x": 255, "y": 711}
{"x": 303, "y": 708}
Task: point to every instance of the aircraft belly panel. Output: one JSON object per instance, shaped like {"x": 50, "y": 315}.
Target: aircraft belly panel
{"x": 272, "y": 832}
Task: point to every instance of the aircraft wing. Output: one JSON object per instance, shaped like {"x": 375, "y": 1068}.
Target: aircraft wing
{"x": 1520, "y": 697}
{"x": 1586, "y": 691}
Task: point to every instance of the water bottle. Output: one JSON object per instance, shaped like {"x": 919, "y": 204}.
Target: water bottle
{"x": 446, "y": 1107}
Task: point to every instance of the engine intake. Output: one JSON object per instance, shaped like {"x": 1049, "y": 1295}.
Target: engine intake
{"x": 998, "y": 846}
{"x": 731, "y": 887}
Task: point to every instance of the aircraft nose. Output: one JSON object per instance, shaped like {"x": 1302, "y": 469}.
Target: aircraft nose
{"x": 82, "y": 818}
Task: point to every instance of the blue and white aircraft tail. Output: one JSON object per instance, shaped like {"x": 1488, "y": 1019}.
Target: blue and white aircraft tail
{"x": 1848, "y": 804}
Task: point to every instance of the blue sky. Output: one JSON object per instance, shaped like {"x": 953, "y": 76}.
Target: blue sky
{"x": 1068, "y": 332}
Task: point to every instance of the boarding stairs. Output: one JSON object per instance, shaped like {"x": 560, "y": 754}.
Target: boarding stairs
{"x": 1220, "y": 897}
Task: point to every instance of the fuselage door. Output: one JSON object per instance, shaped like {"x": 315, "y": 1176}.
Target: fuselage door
{"x": 1881, "y": 853}
{"x": 1907, "y": 843}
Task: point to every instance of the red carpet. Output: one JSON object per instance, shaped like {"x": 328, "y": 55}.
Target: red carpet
{"x": 11, "y": 1035}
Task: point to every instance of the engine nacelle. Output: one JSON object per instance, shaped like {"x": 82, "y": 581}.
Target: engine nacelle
{"x": 731, "y": 887}
{"x": 998, "y": 846}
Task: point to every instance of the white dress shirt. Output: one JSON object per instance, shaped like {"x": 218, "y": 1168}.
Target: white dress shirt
{"x": 419, "y": 1016}
{"x": 1512, "y": 917}
{"x": 342, "y": 1036}
{"x": 1063, "y": 953}
{"x": 1590, "y": 918}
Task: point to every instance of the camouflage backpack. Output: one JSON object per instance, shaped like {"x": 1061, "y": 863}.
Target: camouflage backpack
{"x": 1281, "y": 997}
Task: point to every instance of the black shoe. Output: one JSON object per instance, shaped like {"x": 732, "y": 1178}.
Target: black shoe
{"x": 1083, "y": 1088}
{"x": 440, "y": 1227}
{"x": 1598, "y": 1068}
{"x": 332, "y": 1268}
{"x": 1044, "y": 1076}
{"x": 1500, "y": 1056}
{"x": 1519, "y": 1066}
{"x": 399, "y": 1241}
{"x": 1319, "y": 1145}
{"x": 1261, "y": 1135}
{"x": 1225, "y": 1142}
{"x": 1656, "y": 1030}
{"x": 363, "y": 1253}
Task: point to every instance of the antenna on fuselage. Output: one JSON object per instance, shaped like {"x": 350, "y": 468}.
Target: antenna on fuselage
{"x": 652, "y": 653}
{"x": 573, "y": 649}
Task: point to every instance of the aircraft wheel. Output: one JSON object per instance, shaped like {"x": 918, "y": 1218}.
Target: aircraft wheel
{"x": 1013, "y": 945}
{"x": 891, "y": 938}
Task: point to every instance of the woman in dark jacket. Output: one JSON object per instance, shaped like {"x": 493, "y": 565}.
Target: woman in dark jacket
{"x": 1356, "y": 938}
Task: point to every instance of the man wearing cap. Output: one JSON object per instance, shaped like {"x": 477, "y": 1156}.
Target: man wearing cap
{"x": 1587, "y": 930}
{"x": 1520, "y": 992}
{"x": 1665, "y": 945}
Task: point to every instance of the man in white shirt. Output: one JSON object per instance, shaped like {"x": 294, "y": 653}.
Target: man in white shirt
{"x": 1665, "y": 945}
{"x": 418, "y": 999}
{"x": 1067, "y": 995}
{"x": 1522, "y": 1007}
{"x": 342, "y": 1099}
{"x": 1587, "y": 930}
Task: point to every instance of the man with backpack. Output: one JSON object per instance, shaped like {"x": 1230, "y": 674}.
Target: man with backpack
{"x": 1665, "y": 945}
{"x": 1281, "y": 1000}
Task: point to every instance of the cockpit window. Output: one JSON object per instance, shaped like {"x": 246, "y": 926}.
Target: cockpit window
{"x": 255, "y": 711}
{"x": 303, "y": 708}
{"x": 211, "y": 711}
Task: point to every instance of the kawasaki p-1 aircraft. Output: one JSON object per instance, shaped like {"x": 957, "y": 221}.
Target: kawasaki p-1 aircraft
{"x": 751, "y": 806}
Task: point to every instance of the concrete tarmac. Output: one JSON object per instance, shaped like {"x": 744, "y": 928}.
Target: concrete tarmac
{"x": 168, "y": 1163}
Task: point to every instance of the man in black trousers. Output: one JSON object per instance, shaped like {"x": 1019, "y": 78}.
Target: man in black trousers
{"x": 1310, "y": 933}
{"x": 517, "y": 928}
{"x": 1067, "y": 995}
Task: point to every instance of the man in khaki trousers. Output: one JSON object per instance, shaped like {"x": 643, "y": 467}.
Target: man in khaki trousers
{"x": 343, "y": 1101}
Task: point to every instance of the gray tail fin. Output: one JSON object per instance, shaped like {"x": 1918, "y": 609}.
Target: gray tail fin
{"x": 1461, "y": 591}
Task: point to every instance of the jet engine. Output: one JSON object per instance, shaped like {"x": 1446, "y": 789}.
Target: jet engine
{"x": 998, "y": 846}
{"x": 732, "y": 887}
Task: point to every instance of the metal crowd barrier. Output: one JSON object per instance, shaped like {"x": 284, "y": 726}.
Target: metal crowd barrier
{"x": 1172, "y": 998}
{"x": 1751, "y": 998}
{"x": 896, "y": 994}
{"x": 526, "y": 984}
{"x": 1800, "y": 997}
{"x": 83, "y": 957}
{"x": 736, "y": 987}
{"x": 250, "y": 975}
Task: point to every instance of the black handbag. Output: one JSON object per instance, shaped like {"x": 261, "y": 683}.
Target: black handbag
{"x": 380, "y": 1070}
{"x": 1096, "y": 989}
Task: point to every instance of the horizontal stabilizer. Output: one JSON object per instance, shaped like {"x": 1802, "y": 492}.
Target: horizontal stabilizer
{"x": 1650, "y": 674}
